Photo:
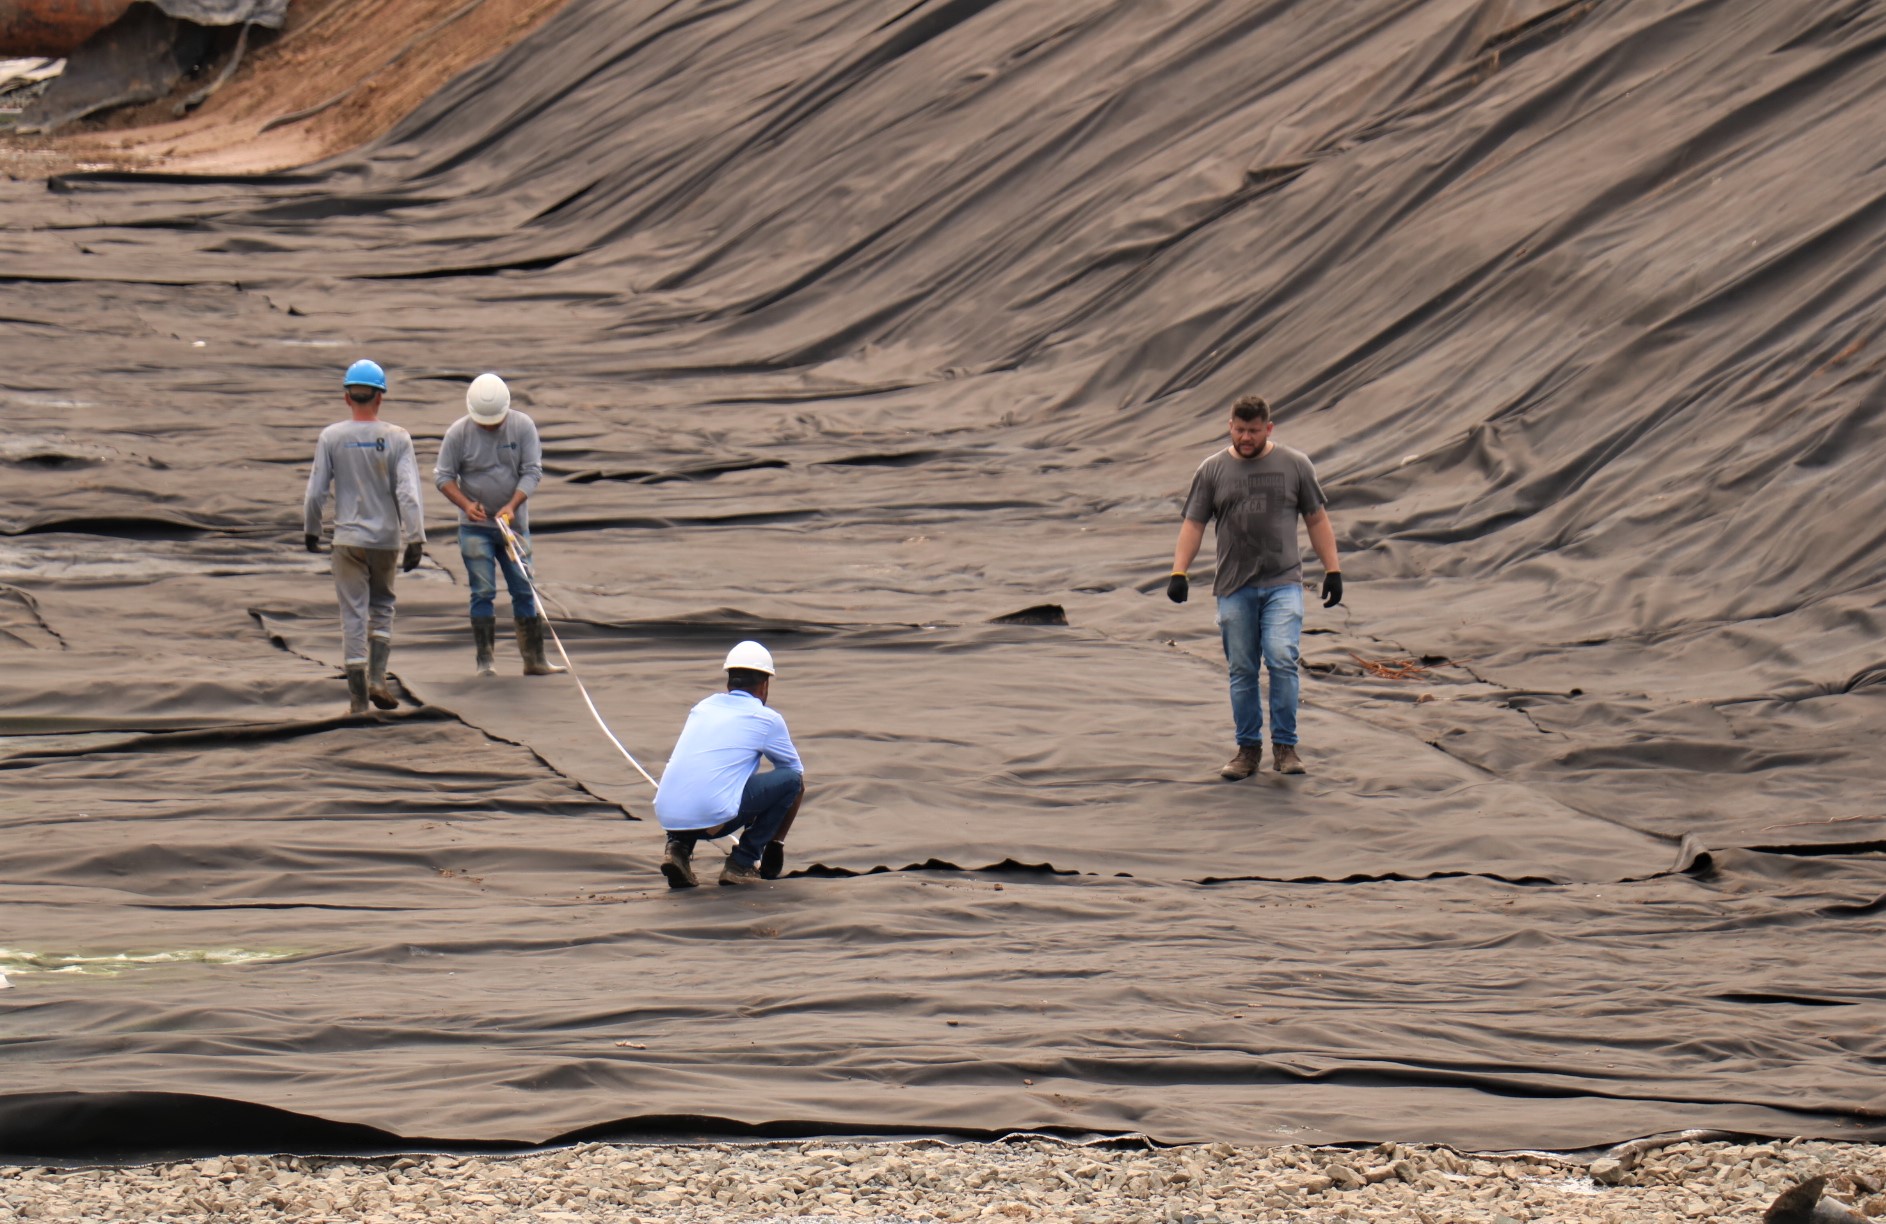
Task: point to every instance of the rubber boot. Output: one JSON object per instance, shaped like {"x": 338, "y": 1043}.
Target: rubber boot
{"x": 485, "y": 637}
{"x": 356, "y": 688}
{"x": 530, "y": 644}
{"x": 377, "y": 651}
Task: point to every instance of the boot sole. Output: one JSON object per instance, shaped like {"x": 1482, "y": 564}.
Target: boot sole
{"x": 386, "y": 702}
{"x": 678, "y": 878}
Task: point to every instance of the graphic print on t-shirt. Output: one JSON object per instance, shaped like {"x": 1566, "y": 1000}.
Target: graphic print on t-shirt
{"x": 1250, "y": 515}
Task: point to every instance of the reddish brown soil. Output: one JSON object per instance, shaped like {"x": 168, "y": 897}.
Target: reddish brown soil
{"x": 365, "y": 63}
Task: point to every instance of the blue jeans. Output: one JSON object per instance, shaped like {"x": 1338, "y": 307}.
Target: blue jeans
{"x": 1262, "y": 625}
{"x": 764, "y": 806}
{"x": 483, "y": 551}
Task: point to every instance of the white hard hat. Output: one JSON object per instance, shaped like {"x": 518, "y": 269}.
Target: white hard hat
{"x": 487, "y": 399}
{"x": 750, "y": 656}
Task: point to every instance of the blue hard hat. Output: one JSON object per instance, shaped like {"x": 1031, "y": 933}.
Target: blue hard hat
{"x": 364, "y": 373}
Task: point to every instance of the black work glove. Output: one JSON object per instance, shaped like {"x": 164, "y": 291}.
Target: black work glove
{"x": 1178, "y": 587}
{"x": 1332, "y": 588}
{"x": 312, "y": 541}
{"x": 772, "y": 860}
{"x": 410, "y": 561}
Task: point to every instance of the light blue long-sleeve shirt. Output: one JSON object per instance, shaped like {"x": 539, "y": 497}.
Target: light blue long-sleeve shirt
{"x": 719, "y": 749}
{"x": 375, "y": 477}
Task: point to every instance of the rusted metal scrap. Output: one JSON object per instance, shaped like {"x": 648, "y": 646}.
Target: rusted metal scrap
{"x": 53, "y": 28}
{"x": 1391, "y": 669}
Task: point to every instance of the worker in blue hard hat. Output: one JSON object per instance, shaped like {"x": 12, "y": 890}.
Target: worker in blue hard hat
{"x": 374, "y": 475}
{"x": 714, "y": 785}
{"x": 489, "y": 464}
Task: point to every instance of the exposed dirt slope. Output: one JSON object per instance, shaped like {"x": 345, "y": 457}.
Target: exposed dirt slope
{"x": 340, "y": 73}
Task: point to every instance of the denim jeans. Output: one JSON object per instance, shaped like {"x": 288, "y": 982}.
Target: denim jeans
{"x": 483, "y": 551}
{"x": 764, "y": 805}
{"x": 1262, "y": 625}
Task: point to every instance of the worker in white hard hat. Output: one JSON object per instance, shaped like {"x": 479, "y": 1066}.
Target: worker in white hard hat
{"x": 714, "y": 785}
{"x": 489, "y": 464}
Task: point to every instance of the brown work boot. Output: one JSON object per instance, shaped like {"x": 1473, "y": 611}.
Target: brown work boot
{"x": 1244, "y": 764}
{"x": 1284, "y": 758}
{"x": 735, "y": 874}
{"x": 677, "y": 863}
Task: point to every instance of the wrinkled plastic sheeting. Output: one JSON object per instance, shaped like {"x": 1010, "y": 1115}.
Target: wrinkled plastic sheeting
{"x": 269, "y": 13}
{"x": 19, "y": 73}
{"x": 138, "y": 58}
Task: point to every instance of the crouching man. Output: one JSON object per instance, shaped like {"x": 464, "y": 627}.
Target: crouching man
{"x": 713, "y": 784}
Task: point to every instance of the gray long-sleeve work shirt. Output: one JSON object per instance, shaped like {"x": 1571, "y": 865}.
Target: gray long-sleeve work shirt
{"x": 489, "y": 465}
{"x": 375, "y": 477}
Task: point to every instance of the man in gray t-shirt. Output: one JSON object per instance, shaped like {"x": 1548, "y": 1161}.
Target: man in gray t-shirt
{"x": 1255, "y": 490}
{"x": 489, "y": 465}
{"x": 377, "y": 524}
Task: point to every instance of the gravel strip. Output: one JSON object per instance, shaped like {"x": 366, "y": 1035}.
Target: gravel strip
{"x": 909, "y": 1183}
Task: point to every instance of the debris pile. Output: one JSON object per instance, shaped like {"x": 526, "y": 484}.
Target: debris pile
{"x": 926, "y": 1181}
{"x": 139, "y": 53}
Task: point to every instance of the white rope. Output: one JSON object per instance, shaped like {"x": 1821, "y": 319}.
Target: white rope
{"x": 523, "y": 565}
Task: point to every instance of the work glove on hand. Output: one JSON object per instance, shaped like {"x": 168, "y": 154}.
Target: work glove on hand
{"x": 1332, "y": 588}
{"x": 312, "y": 541}
{"x": 410, "y": 561}
{"x": 772, "y": 860}
{"x": 1178, "y": 587}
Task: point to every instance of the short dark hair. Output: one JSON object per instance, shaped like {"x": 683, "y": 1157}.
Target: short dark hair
{"x": 362, "y": 394}
{"x": 1252, "y": 408}
{"x": 745, "y": 679}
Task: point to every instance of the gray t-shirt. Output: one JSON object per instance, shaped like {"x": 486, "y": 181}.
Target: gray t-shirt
{"x": 375, "y": 477}
{"x": 491, "y": 464}
{"x": 1256, "y": 503}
